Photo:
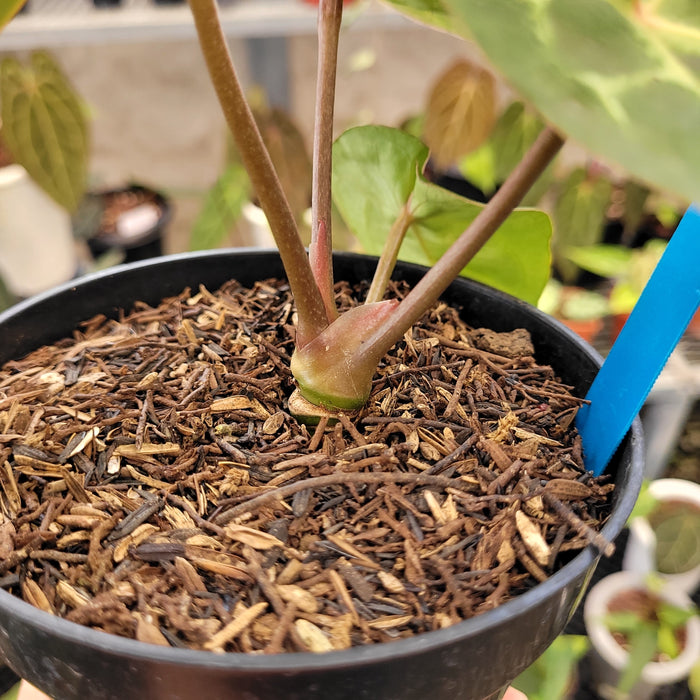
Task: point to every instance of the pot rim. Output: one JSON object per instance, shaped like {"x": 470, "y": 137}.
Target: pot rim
{"x": 643, "y": 537}
{"x": 373, "y": 653}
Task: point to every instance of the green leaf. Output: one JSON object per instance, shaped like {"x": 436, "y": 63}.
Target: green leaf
{"x": 513, "y": 134}
{"x": 550, "y": 676}
{"x": 376, "y": 171}
{"x": 667, "y": 643}
{"x": 642, "y": 648}
{"x": 677, "y": 530}
{"x": 645, "y": 504}
{"x": 604, "y": 260}
{"x": 479, "y": 168}
{"x": 674, "y": 616}
{"x": 8, "y": 9}
{"x": 431, "y": 12}
{"x": 579, "y": 216}
{"x": 623, "y": 621}
{"x": 620, "y": 78}
{"x": 222, "y": 208}
{"x": 694, "y": 681}
{"x": 44, "y": 127}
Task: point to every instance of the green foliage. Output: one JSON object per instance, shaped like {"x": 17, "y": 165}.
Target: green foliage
{"x": 620, "y": 78}
{"x": 44, "y": 126}
{"x": 514, "y": 132}
{"x": 694, "y": 681}
{"x": 636, "y": 197}
{"x": 647, "y": 636}
{"x": 676, "y": 526}
{"x": 8, "y": 9}
{"x": 573, "y": 303}
{"x": 645, "y": 503}
{"x": 225, "y": 200}
{"x": 11, "y": 694}
{"x": 377, "y": 173}
{"x": 222, "y": 208}
{"x": 630, "y": 268}
{"x": 549, "y": 678}
{"x": 579, "y": 216}
{"x": 431, "y": 12}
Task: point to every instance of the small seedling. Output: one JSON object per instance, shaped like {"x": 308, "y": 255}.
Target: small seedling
{"x": 649, "y": 628}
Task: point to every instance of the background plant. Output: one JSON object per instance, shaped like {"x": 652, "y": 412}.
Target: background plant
{"x": 628, "y": 268}
{"x": 225, "y": 200}
{"x": 44, "y": 126}
{"x": 552, "y": 675}
{"x": 647, "y": 634}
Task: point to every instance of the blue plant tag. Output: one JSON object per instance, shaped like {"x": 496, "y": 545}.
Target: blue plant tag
{"x": 636, "y": 359}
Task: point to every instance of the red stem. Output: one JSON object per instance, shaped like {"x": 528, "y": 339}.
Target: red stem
{"x": 439, "y": 277}
{"x": 310, "y": 306}
{"x": 330, "y": 14}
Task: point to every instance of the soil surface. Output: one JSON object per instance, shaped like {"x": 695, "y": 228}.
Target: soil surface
{"x": 156, "y": 486}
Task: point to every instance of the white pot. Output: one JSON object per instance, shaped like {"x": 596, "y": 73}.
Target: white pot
{"x": 258, "y": 228}
{"x": 609, "y": 659}
{"x": 640, "y": 552}
{"x": 37, "y": 249}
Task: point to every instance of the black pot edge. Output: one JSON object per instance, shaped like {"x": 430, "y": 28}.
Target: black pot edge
{"x": 578, "y": 567}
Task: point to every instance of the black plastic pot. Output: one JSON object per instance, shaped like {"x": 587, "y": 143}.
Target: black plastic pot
{"x": 471, "y": 660}
{"x": 141, "y": 241}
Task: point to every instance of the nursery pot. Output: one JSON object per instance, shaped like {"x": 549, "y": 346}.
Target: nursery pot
{"x": 641, "y": 551}
{"x": 472, "y": 660}
{"x": 136, "y": 230}
{"x": 609, "y": 659}
{"x": 37, "y": 250}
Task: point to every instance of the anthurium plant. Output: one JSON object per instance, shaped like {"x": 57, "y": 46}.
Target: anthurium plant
{"x": 587, "y": 66}
{"x": 619, "y": 76}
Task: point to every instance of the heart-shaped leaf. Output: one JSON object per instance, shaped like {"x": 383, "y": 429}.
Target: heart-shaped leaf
{"x": 377, "y": 173}
{"x": 461, "y": 112}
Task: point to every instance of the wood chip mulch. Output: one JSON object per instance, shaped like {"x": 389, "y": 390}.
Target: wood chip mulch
{"x": 153, "y": 484}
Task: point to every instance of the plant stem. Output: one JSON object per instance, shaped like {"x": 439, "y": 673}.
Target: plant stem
{"x": 390, "y": 253}
{"x": 439, "y": 277}
{"x": 330, "y": 14}
{"x": 310, "y": 306}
